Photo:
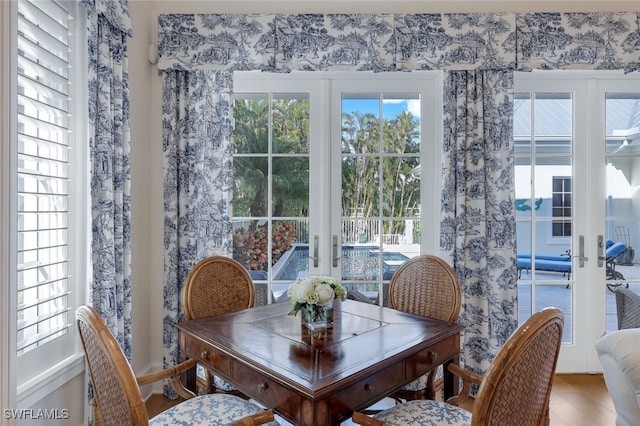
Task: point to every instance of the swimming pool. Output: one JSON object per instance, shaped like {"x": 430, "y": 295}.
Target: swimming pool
{"x": 359, "y": 263}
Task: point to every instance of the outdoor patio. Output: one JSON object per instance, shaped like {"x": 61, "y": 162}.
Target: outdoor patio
{"x": 554, "y": 292}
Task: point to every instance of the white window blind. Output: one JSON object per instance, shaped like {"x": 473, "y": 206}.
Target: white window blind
{"x": 43, "y": 173}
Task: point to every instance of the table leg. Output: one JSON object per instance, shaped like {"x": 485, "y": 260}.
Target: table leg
{"x": 189, "y": 376}
{"x": 451, "y": 382}
{"x": 190, "y": 380}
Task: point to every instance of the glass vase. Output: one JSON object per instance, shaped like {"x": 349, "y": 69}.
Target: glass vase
{"x": 317, "y": 316}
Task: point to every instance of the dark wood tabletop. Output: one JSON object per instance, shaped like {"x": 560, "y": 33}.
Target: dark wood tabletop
{"x": 321, "y": 377}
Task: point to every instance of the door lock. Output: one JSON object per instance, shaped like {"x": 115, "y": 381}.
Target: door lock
{"x": 601, "y": 257}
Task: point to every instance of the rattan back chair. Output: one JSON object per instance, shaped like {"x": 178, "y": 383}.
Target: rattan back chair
{"x": 515, "y": 390}
{"x": 428, "y": 286}
{"x": 117, "y": 396}
{"x": 627, "y": 308}
{"x": 216, "y": 285}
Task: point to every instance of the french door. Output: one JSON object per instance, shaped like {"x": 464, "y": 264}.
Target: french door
{"x": 577, "y": 174}
{"x": 331, "y": 176}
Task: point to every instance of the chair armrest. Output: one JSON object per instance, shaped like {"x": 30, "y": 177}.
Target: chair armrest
{"x": 172, "y": 373}
{"x": 265, "y": 416}
{"x": 468, "y": 378}
{"x": 363, "y": 419}
{"x": 465, "y": 374}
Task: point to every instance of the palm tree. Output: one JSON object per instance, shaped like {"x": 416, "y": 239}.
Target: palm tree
{"x": 360, "y": 167}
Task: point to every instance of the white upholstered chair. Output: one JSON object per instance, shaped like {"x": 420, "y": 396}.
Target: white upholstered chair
{"x": 619, "y": 353}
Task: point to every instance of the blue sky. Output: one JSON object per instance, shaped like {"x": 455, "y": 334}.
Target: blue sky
{"x": 391, "y": 108}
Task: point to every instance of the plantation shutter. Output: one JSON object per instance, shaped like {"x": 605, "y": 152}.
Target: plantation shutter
{"x": 43, "y": 173}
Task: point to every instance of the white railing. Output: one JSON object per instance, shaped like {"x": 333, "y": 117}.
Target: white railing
{"x": 354, "y": 231}
{"x": 360, "y": 230}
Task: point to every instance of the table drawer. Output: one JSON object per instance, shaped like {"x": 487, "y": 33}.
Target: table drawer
{"x": 264, "y": 390}
{"x": 208, "y": 356}
{"x": 427, "y": 359}
{"x": 370, "y": 389}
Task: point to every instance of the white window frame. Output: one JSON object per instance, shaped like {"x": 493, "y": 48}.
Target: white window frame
{"x": 28, "y": 381}
{"x": 255, "y": 82}
{"x": 562, "y": 206}
{"x": 7, "y": 81}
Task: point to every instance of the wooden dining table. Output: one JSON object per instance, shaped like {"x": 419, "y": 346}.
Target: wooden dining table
{"x": 319, "y": 377}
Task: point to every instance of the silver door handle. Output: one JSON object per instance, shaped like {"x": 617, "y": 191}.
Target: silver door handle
{"x": 315, "y": 251}
{"x": 581, "y": 257}
{"x": 334, "y": 247}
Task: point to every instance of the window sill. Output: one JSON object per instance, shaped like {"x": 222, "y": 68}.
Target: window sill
{"x": 49, "y": 381}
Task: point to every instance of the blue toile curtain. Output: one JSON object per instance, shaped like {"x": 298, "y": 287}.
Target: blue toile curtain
{"x": 478, "y": 52}
{"x": 109, "y": 27}
{"x": 109, "y": 138}
{"x": 478, "y": 226}
{"x": 197, "y": 125}
{"x": 587, "y": 41}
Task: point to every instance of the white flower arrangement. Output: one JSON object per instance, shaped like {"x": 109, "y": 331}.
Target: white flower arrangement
{"x": 313, "y": 295}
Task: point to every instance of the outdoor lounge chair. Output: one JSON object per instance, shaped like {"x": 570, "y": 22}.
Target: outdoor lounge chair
{"x": 562, "y": 263}
{"x": 546, "y": 262}
{"x": 614, "y": 252}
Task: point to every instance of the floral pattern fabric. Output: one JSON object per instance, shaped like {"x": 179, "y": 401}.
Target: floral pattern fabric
{"x": 425, "y": 413}
{"x": 478, "y": 233}
{"x": 109, "y": 134}
{"x": 479, "y": 52}
{"x": 114, "y": 12}
{"x": 198, "y": 179}
{"x": 212, "y": 409}
{"x": 592, "y": 41}
{"x": 399, "y": 42}
{"x": 110, "y": 163}
{"x": 454, "y": 41}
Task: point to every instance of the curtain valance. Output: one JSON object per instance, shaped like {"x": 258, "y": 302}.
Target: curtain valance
{"x": 399, "y": 42}
{"x": 593, "y": 41}
{"x": 116, "y": 12}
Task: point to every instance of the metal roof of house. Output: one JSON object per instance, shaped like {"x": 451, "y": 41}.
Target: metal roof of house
{"x": 553, "y": 118}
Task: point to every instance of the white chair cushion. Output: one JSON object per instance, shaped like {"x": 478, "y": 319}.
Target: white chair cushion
{"x": 619, "y": 353}
{"x": 212, "y": 409}
{"x": 425, "y": 413}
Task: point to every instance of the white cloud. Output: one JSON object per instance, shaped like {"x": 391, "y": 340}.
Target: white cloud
{"x": 413, "y": 106}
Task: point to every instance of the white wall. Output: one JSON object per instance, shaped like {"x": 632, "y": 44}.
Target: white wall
{"x": 146, "y": 193}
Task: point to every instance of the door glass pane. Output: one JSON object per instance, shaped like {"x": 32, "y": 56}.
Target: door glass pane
{"x": 271, "y": 190}
{"x": 552, "y": 118}
{"x": 380, "y": 187}
{"x": 290, "y": 123}
{"x": 522, "y": 129}
{"x": 622, "y": 174}
{"x": 525, "y": 205}
{"x": 544, "y": 200}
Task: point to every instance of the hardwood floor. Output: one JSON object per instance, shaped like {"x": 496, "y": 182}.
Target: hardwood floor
{"x": 576, "y": 400}
{"x": 581, "y": 399}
